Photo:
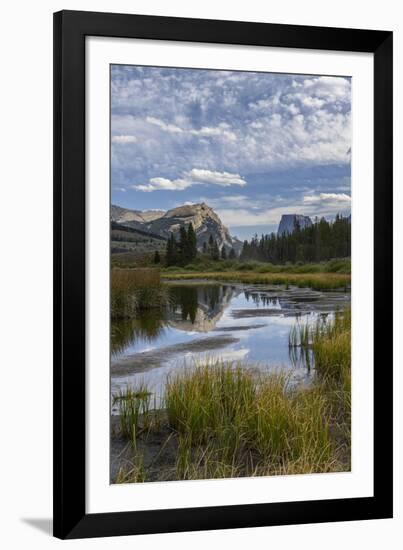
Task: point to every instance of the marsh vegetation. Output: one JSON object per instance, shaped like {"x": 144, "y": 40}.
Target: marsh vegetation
{"x": 223, "y": 419}
{"x": 136, "y": 290}
{"x": 187, "y": 405}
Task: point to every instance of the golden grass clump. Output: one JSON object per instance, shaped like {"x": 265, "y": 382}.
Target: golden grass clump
{"x": 133, "y": 290}
{"x": 230, "y": 419}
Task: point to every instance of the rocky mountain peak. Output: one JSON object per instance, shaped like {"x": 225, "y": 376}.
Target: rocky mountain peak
{"x": 289, "y": 221}
{"x": 205, "y": 222}
{"x": 124, "y": 215}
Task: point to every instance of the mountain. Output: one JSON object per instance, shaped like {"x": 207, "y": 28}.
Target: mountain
{"x": 128, "y": 239}
{"x": 205, "y": 222}
{"x": 124, "y": 215}
{"x": 288, "y": 222}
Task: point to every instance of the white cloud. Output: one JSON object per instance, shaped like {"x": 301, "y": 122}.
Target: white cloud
{"x": 246, "y": 123}
{"x": 196, "y": 176}
{"x": 228, "y": 201}
{"x": 163, "y": 184}
{"x": 164, "y": 126}
{"x": 246, "y": 217}
{"x": 327, "y": 197}
{"x": 124, "y": 139}
{"x": 322, "y": 204}
{"x": 224, "y": 179}
{"x": 222, "y": 130}
{"x": 331, "y": 88}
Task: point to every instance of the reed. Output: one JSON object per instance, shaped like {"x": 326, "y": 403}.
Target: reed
{"x": 134, "y": 411}
{"x": 203, "y": 401}
{"x": 332, "y": 346}
{"x": 134, "y": 290}
{"x": 233, "y": 422}
{"x": 330, "y": 342}
{"x": 134, "y": 472}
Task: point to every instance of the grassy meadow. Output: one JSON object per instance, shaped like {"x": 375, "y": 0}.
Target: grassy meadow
{"x": 334, "y": 274}
{"x": 317, "y": 281}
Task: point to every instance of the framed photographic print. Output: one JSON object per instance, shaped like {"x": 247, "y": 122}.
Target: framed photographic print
{"x": 223, "y": 274}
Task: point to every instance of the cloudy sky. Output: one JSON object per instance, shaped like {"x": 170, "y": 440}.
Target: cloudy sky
{"x": 250, "y": 145}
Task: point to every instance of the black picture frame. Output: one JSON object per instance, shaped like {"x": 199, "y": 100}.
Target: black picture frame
{"x": 70, "y": 517}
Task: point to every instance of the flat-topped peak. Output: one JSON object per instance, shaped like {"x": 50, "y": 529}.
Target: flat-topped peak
{"x": 288, "y": 223}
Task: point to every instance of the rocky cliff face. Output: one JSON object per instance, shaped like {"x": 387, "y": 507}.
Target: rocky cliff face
{"x": 204, "y": 220}
{"x": 289, "y": 221}
{"x": 205, "y": 223}
{"x": 124, "y": 215}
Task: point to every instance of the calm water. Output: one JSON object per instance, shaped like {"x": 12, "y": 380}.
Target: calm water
{"x": 248, "y": 323}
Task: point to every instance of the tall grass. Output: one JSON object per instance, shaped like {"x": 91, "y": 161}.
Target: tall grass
{"x": 133, "y": 290}
{"x": 232, "y": 421}
{"x": 330, "y": 342}
{"x": 134, "y": 472}
{"x": 317, "y": 281}
{"x": 300, "y": 335}
{"x": 199, "y": 402}
{"x": 134, "y": 411}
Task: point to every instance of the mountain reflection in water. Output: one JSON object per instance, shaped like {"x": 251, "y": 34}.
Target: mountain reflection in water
{"x": 220, "y": 321}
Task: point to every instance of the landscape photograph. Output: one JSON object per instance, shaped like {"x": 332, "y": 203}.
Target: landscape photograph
{"x": 230, "y": 274}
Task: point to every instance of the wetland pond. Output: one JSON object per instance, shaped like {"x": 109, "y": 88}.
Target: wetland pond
{"x": 207, "y": 321}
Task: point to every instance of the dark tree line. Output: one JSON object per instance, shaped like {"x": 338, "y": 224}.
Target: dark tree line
{"x": 322, "y": 241}
{"x": 184, "y": 250}
{"x": 211, "y": 249}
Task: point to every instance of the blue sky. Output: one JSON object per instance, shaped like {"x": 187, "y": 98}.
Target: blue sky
{"x": 251, "y": 145}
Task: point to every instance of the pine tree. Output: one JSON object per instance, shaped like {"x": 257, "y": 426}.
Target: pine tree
{"x": 168, "y": 251}
{"x": 321, "y": 241}
{"x": 223, "y": 253}
{"x": 210, "y": 244}
{"x": 232, "y": 254}
{"x": 191, "y": 244}
{"x": 204, "y": 247}
{"x": 171, "y": 256}
{"x": 183, "y": 245}
{"x": 157, "y": 257}
{"x": 215, "y": 252}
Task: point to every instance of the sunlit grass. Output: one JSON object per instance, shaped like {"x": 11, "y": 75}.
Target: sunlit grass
{"x": 134, "y": 472}
{"x": 317, "y": 281}
{"x": 232, "y": 420}
{"x": 133, "y": 290}
{"x": 137, "y": 411}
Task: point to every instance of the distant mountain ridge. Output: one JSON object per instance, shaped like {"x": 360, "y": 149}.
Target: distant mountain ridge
{"x": 205, "y": 222}
{"x": 288, "y": 223}
{"x": 124, "y": 215}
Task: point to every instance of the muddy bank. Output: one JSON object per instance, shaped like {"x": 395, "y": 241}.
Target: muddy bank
{"x": 142, "y": 362}
{"x": 158, "y": 450}
{"x": 238, "y": 328}
{"x": 246, "y": 313}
